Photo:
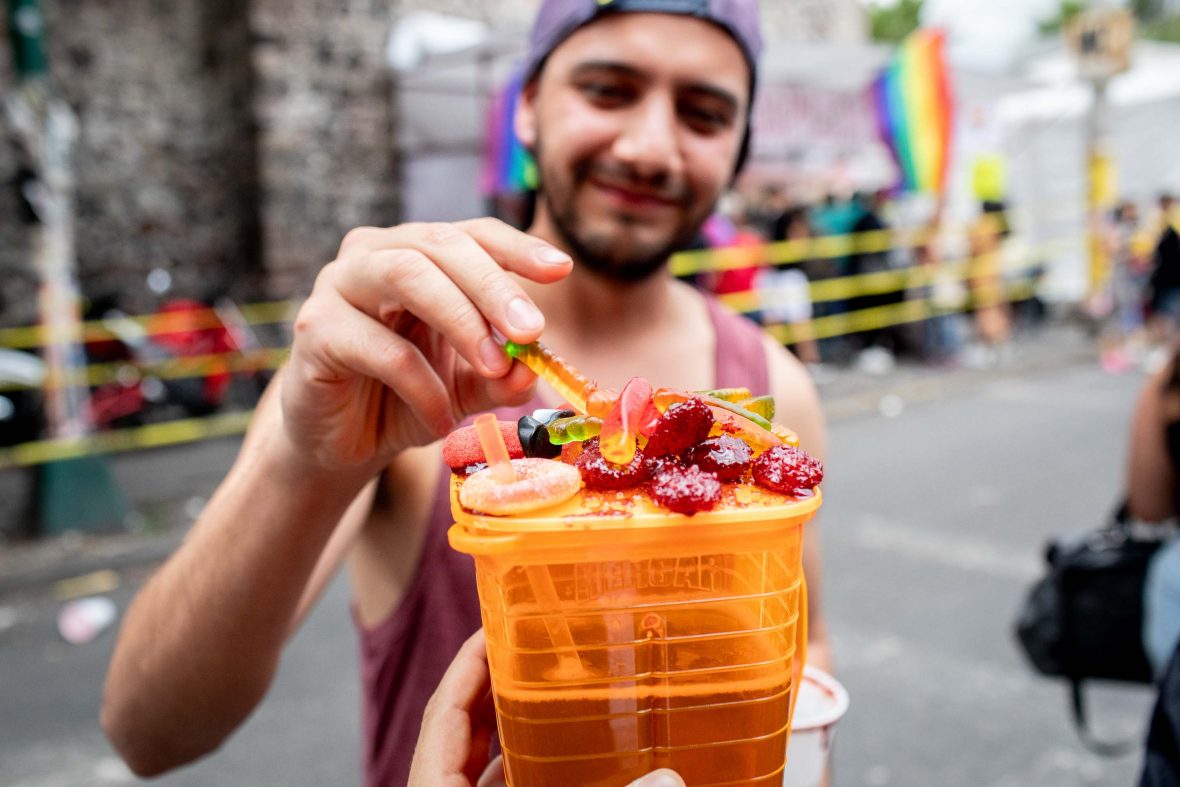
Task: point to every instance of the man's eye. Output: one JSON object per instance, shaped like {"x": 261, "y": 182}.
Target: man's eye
{"x": 605, "y": 91}
{"x": 706, "y": 119}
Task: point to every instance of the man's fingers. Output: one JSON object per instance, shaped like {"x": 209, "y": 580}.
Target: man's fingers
{"x": 482, "y": 277}
{"x": 661, "y": 778}
{"x": 455, "y": 277}
{"x": 444, "y": 754}
{"x": 493, "y": 775}
{"x": 388, "y": 282}
{"x": 518, "y": 251}
{"x": 350, "y": 342}
{"x": 474, "y": 394}
{"x": 466, "y": 680}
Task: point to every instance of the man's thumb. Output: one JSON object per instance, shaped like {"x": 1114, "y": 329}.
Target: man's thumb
{"x": 661, "y": 778}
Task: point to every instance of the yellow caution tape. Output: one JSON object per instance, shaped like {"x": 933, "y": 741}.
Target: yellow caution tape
{"x": 877, "y": 317}
{"x": 170, "y": 369}
{"x": 29, "y": 336}
{"x": 188, "y": 430}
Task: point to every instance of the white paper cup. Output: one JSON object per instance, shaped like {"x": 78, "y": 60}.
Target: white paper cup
{"x": 822, "y": 703}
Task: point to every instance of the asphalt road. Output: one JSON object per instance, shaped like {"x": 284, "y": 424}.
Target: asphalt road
{"x": 933, "y": 526}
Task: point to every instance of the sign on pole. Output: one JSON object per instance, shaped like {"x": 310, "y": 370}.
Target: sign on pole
{"x": 1101, "y": 41}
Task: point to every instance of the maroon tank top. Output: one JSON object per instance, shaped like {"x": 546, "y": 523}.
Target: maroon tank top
{"x": 403, "y": 658}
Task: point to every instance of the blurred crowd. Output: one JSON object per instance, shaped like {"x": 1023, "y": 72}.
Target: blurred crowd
{"x": 1135, "y": 310}
{"x": 855, "y": 281}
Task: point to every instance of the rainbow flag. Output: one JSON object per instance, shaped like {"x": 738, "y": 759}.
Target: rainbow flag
{"x": 507, "y": 166}
{"x": 915, "y": 109}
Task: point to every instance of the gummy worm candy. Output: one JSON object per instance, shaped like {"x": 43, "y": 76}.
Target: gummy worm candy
{"x": 575, "y": 429}
{"x": 760, "y": 405}
{"x": 621, "y": 427}
{"x": 583, "y": 394}
{"x": 728, "y": 394}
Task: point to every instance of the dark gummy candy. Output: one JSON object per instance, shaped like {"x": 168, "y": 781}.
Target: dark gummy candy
{"x": 726, "y": 456}
{"x": 534, "y": 437}
{"x": 682, "y": 426}
{"x": 598, "y": 473}
{"x": 788, "y": 470}
{"x": 686, "y": 490}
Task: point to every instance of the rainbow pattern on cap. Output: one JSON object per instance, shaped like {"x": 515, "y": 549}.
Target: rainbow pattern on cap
{"x": 915, "y": 108}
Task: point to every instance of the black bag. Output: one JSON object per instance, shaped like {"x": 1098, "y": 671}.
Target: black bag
{"x": 1084, "y": 619}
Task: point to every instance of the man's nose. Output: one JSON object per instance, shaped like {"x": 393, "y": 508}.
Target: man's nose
{"x": 649, "y": 140}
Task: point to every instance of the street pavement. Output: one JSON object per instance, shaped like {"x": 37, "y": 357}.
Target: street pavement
{"x": 942, "y": 488}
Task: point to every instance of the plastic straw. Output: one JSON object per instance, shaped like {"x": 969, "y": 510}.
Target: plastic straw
{"x": 569, "y": 665}
{"x": 487, "y": 429}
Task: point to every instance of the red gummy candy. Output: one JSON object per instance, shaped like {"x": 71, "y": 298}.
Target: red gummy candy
{"x": 682, "y": 426}
{"x": 658, "y": 465}
{"x": 599, "y": 473}
{"x": 462, "y": 448}
{"x": 686, "y": 491}
{"x": 788, "y": 470}
{"x": 726, "y": 456}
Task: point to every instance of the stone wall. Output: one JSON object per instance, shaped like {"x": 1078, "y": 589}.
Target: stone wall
{"x": 165, "y": 160}
{"x": 323, "y": 104}
{"x": 18, "y": 291}
{"x": 233, "y": 143}
{"x": 229, "y": 143}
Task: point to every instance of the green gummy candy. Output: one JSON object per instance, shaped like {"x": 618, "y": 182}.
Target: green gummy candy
{"x": 574, "y": 429}
{"x": 762, "y": 405}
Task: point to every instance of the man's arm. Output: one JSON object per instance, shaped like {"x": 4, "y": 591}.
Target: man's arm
{"x": 1151, "y": 478}
{"x": 396, "y": 343}
{"x": 201, "y": 643}
{"x": 798, "y": 407}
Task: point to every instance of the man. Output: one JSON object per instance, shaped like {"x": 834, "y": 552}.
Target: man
{"x": 635, "y": 139}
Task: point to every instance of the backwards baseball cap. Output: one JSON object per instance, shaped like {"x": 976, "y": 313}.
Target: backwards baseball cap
{"x": 558, "y": 19}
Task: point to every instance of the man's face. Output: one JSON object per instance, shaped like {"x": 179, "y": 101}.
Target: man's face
{"x": 636, "y": 121}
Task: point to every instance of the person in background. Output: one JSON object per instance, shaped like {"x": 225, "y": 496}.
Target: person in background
{"x": 784, "y": 291}
{"x": 1153, "y": 495}
{"x": 1122, "y": 340}
{"x": 1163, "y": 285}
{"x": 989, "y": 303}
{"x": 742, "y": 261}
{"x": 398, "y": 344}
{"x": 879, "y": 344}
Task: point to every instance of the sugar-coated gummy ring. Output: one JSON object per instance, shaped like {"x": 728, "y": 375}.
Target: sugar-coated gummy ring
{"x": 539, "y": 483}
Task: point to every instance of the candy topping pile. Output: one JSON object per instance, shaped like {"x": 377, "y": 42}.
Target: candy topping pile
{"x": 681, "y": 448}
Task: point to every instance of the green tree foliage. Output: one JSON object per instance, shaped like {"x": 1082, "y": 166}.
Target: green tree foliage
{"x": 1067, "y": 11}
{"x": 1164, "y": 28}
{"x": 1153, "y": 22}
{"x": 891, "y": 22}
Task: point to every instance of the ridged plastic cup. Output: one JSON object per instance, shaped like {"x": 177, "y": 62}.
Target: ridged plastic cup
{"x": 623, "y": 638}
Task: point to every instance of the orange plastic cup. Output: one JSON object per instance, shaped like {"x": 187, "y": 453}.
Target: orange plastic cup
{"x": 623, "y": 638}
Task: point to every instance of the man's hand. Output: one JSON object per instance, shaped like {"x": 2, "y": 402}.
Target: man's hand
{"x": 458, "y": 726}
{"x": 396, "y": 342}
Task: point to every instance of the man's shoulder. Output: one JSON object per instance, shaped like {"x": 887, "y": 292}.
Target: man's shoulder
{"x": 796, "y": 396}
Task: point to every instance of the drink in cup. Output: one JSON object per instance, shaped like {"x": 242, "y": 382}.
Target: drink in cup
{"x": 644, "y": 613}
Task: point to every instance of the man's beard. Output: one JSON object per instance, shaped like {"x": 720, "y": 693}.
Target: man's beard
{"x": 603, "y": 252}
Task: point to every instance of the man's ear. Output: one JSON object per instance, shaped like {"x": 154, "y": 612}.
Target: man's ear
{"x": 524, "y": 121}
